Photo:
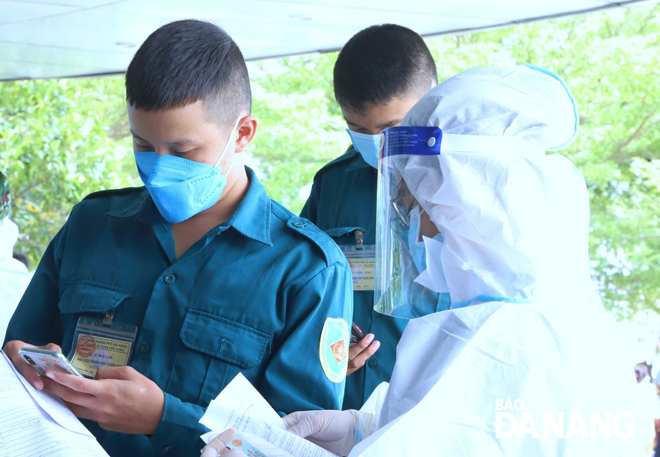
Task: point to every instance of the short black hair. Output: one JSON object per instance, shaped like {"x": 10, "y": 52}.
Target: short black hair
{"x": 380, "y": 63}
{"x": 184, "y": 62}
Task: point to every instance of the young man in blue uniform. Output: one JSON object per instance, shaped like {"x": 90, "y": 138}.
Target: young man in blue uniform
{"x": 212, "y": 277}
{"x": 379, "y": 75}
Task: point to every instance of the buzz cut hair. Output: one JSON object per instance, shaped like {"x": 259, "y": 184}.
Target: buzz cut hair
{"x": 187, "y": 61}
{"x": 381, "y": 63}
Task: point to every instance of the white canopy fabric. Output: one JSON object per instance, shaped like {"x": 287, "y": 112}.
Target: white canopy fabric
{"x": 64, "y": 38}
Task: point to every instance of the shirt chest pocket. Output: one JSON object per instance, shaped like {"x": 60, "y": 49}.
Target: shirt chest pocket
{"x": 86, "y": 297}
{"x": 215, "y": 350}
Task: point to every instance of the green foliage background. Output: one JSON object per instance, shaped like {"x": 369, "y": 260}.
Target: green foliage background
{"x": 62, "y": 139}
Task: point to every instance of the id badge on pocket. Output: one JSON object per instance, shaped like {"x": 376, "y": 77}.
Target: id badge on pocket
{"x": 362, "y": 260}
{"x": 99, "y": 342}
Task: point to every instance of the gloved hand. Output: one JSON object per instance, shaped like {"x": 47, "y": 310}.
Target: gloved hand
{"x": 218, "y": 446}
{"x": 335, "y": 431}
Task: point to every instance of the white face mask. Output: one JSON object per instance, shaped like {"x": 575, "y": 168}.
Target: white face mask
{"x": 434, "y": 276}
{"x": 416, "y": 247}
{"x": 426, "y": 255}
{"x": 367, "y": 145}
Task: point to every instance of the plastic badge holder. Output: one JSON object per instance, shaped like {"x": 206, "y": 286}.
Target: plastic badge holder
{"x": 362, "y": 260}
{"x": 100, "y": 342}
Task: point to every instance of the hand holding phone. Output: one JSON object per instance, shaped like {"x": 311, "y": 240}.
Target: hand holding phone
{"x": 43, "y": 360}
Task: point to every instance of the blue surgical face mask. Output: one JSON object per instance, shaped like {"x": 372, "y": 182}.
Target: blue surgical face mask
{"x": 367, "y": 145}
{"x": 180, "y": 187}
{"x": 418, "y": 248}
{"x": 420, "y": 301}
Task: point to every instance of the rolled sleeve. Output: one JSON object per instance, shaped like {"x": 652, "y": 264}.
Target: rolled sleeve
{"x": 179, "y": 430}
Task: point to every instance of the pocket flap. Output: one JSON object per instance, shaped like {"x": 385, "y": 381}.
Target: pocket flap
{"x": 227, "y": 340}
{"x": 91, "y": 297}
{"x": 341, "y": 231}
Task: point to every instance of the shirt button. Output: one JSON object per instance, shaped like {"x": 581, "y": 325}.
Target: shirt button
{"x": 373, "y": 363}
{"x": 144, "y": 348}
{"x": 169, "y": 278}
{"x": 299, "y": 224}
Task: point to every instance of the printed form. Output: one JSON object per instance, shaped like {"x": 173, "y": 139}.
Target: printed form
{"x": 34, "y": 423}
{"x": 241, "y": 407}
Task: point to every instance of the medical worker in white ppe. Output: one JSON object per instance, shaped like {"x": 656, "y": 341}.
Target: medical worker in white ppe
{"x": 469, "y": 196}
{"x": 503, "y": 227}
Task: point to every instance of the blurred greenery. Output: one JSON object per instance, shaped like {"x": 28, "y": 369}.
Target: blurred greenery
{"x": 59, "y": 141}
{"x": 62, "y": 139}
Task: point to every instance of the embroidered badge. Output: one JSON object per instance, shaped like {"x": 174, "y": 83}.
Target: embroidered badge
{"x": 332, "y": 349}
{"x": 339, "y": 350}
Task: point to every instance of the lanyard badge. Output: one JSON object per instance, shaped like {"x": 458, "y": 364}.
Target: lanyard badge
{"x": 362, "y": 260}
{"x": 101, "y": 342}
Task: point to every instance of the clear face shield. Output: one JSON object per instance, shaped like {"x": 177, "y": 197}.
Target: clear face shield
{"x": 407, "y": 240}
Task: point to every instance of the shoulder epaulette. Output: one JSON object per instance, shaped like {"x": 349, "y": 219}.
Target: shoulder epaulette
{"x": 330, "y": 250}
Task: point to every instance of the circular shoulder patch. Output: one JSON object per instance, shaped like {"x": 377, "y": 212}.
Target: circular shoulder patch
{"x": 333, "y": 349}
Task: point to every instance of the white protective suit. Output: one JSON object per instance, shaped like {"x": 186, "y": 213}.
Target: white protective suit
{"x": 14, "y": 276}
{"x": 515, "y": 222}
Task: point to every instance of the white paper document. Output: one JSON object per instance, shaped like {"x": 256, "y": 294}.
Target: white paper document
{"x": 34, "y": 423}
{"x": 241, "y": 407}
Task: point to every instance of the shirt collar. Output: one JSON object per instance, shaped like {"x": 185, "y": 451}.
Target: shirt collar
{"x": 251, "y": 218}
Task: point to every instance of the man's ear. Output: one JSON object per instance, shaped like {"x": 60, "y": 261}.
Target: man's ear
{"x": 247, "y": 129}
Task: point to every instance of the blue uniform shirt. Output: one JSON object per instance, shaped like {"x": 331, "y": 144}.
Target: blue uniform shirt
{"x": 251, "y": 296}
{"x": 343, "y": 198}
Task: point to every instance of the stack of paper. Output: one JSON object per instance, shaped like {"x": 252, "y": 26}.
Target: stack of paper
{"x": 241, "y": 407}
{"x": 34, "y": 423}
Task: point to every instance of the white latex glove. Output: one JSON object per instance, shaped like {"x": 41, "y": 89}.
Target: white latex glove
{"x": 218, "y": 446}
{"x": 335, "y": 431}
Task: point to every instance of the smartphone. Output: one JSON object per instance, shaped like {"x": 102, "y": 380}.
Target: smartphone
{"x": 356, "y": 334}
{"x": 43, "y": 359}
